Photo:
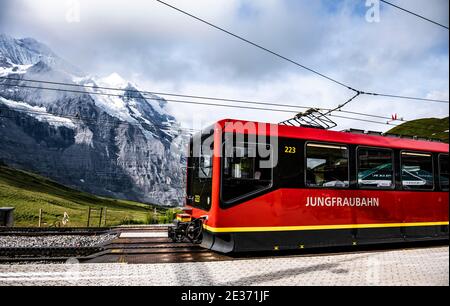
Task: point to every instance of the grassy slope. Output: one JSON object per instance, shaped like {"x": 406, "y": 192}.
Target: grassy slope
{"x": 429, "y": 128}
{"x": 28, "y": 193}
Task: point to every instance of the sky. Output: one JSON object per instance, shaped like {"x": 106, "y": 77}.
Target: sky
{"x": 162, "y": 50}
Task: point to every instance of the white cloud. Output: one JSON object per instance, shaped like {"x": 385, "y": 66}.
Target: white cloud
{"x": 163, "y": 50}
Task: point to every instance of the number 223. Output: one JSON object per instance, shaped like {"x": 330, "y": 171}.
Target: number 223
{"x": 290, "y": 150}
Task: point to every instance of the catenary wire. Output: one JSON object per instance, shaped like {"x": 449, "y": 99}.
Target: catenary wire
{"x": 414, "y": 14}
{"x": 159, "y": 93}
{"x": 176, "y": 101}
{"x": 411, "y": 124}
{"x": 168, "y": 100}
{"x": 296, "y": 63}
{"x": 258, "y": 46}
{"x": 194, "y": 97}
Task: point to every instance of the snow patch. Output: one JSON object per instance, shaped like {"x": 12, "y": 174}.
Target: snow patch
{"x": 113, "y": 80}
{"x": 116, "y": 81}
{"x": 126, "y": 110}
{"x": 87, "y": 80}
{"x": 114, "y": 106}
{"x": 15, "y": 69}
{"x": 40, "y": 113}
{"x": 84, "y": 136}
{"x": 137, "y": 113}
{"x": 154, "y": 102}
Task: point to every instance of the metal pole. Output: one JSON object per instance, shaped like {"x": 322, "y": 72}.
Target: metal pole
{"x": 100, "y": 217}
{"x": 40, "y": 217}
{"x": 89, "y": 216}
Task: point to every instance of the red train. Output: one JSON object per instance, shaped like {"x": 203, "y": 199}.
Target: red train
{"x": 255, "y": 186}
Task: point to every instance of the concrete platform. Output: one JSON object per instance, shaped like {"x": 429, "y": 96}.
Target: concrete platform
{"x": 421, "y": 266}
{"x": 162, "y": 234}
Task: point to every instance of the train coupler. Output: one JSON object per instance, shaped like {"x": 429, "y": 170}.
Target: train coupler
{"x": 185, "y": 228}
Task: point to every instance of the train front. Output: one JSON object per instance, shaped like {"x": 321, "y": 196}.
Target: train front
{"x": 229, "y": 163}
{"x": 203, "y": 167}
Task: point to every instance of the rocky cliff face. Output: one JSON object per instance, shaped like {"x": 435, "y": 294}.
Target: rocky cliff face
{"x": 125, "y": 145}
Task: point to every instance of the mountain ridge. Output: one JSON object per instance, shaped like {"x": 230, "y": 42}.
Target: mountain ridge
{"x": 99, "y": 142}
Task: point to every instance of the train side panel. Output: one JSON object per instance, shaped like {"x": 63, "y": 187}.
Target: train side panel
{"x": 302, "y": 218}
{"x": 290, "y": 215}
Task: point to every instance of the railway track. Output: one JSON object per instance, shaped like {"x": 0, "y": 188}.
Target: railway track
{"x": 153, "y": 247}
{"x": 48, "y": 245}
{"x": 158, "y": 249}
{"x": 45, "y": 254}
{"x": 149, "y": 245}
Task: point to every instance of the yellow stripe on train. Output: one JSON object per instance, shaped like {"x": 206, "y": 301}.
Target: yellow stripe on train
{"x": 318, "y": 227}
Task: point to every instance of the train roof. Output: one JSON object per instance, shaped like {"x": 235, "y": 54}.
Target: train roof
{"x": 314, "y": 134}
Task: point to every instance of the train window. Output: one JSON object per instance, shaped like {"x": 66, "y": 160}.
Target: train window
{"x": 443, "y": 171}
{"x": 375, "y": 168}
{"x": 245, "y": 172}
{"x": 327, "y": 166}
{"x": 199, "y": 171}
{"x": 417, "y": 171}
{"x": 205, "y": 166}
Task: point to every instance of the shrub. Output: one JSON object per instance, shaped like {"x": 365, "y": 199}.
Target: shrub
{"x": 128, "y": 221}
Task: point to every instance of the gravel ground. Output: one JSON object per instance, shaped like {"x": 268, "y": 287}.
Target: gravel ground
{"x": 54, "y": 241}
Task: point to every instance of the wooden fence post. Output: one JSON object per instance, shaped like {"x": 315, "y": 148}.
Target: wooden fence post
{"x": 40, "y": 217}
{"x": 100, "y": 217}
{"x": 106, "y": 214}
{"x": 89, "y": 216}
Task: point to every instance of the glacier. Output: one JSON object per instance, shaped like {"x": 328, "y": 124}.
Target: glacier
{"x": 39, "y": 113}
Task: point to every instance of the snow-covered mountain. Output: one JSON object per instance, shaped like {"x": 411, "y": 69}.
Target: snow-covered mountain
{"x": 123, "y": 144}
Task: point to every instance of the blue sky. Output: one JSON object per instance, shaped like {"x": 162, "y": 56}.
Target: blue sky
{"x": 162, "y": 50}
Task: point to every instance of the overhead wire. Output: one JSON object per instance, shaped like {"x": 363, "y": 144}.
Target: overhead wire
{"x": 258, "y": 46}
{"x": 295, "y": 62}
{"x": 168, "y": 100}
{"x": 164, "y": 127}
{"x": 143, "y": 93}
{"x": 329, "y": 111}
{"x": 414, "y": 14}
{"x": 94, "y": 121}
{"x": 191, "y": 96}
{"x": 158, "y": 93}
{"x": 178, "y": 130}
{"x": 174, "y": 101}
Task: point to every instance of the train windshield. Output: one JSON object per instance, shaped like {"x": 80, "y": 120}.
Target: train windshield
{"x": 199, "y": 172}
{"x": 247, "y": 170}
